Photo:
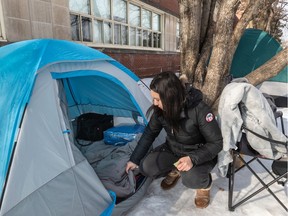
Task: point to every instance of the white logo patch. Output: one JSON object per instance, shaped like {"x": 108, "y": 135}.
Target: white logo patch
{"x": 209, "y": 117}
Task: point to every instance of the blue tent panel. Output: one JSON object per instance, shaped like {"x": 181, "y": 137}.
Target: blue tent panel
{"x": 101, "y": 93}
{"x": 255, "y": 48}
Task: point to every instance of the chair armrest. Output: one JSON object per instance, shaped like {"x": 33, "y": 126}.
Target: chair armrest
{"x": 278, "y": 114}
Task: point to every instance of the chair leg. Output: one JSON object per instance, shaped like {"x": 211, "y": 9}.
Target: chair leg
{"x": 282, "y": 125}
{"x": 232, "y": 172}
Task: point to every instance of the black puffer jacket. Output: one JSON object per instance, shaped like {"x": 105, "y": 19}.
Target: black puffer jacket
{"x": 199, "y": 135}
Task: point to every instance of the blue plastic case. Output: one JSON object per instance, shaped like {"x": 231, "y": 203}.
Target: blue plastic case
{"x": 122, "y": 134}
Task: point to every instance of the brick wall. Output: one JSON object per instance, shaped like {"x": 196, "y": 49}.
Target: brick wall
{"x": 149, "y": 64}
{"x": 170, "y": 6}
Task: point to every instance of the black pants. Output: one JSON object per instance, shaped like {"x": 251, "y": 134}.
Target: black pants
{"x": 159, "y": 163}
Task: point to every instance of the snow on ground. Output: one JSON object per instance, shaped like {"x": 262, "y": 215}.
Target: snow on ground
{"x": 180, "y": 200}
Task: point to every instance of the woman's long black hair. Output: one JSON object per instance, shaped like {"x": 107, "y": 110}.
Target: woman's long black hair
{"x": 172, "y": 95}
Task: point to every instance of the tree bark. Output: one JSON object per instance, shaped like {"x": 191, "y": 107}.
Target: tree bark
{"x": 206, "y": 49}
{"x": 206, "y": 14}
{"x": 190, "y": 28}
{"x": 217, "y": 68}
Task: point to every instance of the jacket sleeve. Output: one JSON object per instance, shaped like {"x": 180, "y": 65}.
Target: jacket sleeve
{"x": 150, "y": 133}
{"x": 211, "y": 133}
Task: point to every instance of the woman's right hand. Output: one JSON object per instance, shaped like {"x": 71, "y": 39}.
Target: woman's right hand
{"x": 130, "y": 165}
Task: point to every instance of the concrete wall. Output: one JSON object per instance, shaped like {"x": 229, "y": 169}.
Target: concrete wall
{"x": 29, "y": 19}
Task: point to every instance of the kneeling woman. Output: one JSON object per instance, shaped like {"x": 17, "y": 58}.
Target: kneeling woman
{"x": 193, "y": 138}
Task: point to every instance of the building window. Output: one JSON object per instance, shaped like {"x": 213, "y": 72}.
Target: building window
{"x": 2, "y": 33}
{"x": 1, "y": 36}
{"x": 115, "y": 22}
{"x": 177, "y": 36}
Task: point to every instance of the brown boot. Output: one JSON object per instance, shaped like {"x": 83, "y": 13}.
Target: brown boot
{"x": 170, "y": 180}
{"x": 202, "y": 198}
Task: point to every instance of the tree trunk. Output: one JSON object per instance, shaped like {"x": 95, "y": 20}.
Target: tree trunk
{"x": 209, "y": 39}
{"x": 220, "y": 57}
{"x": 201, "y": 69}
{"x": 190, "y": 27}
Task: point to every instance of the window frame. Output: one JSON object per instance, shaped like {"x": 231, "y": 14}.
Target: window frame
{"x": 2, "y": 29}
{"x": 177, "y": 36}
{"x": 138, "y": 29}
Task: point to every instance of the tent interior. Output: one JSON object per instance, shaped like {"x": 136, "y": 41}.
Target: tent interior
{"x": 97, "y": 94}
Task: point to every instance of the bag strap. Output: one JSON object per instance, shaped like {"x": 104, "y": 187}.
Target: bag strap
{"x": 263, "y": 137}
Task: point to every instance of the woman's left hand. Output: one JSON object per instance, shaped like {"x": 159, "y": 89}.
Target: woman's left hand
{"x": 184, "y": 164}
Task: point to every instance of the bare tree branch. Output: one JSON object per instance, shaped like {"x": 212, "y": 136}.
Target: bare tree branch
{"x": 269, "y": 69}
{"x": 244, "y": 20}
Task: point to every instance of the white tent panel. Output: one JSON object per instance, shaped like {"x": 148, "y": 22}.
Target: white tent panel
{"x": 41, "y": 153}
{"x": 274, "y": 88}
{"x": 76, "y": 192}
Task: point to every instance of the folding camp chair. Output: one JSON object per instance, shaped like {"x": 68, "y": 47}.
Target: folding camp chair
{"x": 278, "y": 173}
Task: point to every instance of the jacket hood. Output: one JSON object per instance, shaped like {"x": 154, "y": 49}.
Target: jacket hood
{"x": 193, "y": 96}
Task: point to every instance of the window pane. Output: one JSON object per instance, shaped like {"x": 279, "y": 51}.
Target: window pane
{"x": 120, "y": 11}
{"x": 139, "y": 37}
{"x": 146, "y": 19}
{"x": 124, "y": 30}
{"x": 145, "y": 38}
{"x": 177, "y": 36}
{"x": 150, "y": 39}
{"x": 134, "y": 15}
{"x": 82, "y": 6}
{"x": 117, "y": 34}
{"x": 75, "y": 27}
{"x": 156, "y": 22}
{"x": 86, "y": 29}
{"x": 107, "y": 33}
{"x": 132, "y": 36}
{"x": 102, "y": 8}
{"x": 156, "y": 40}
{"x": 98, "y": 33}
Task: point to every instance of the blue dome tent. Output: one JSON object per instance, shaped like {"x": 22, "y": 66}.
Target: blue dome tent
{"x": 45, "y": 85}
